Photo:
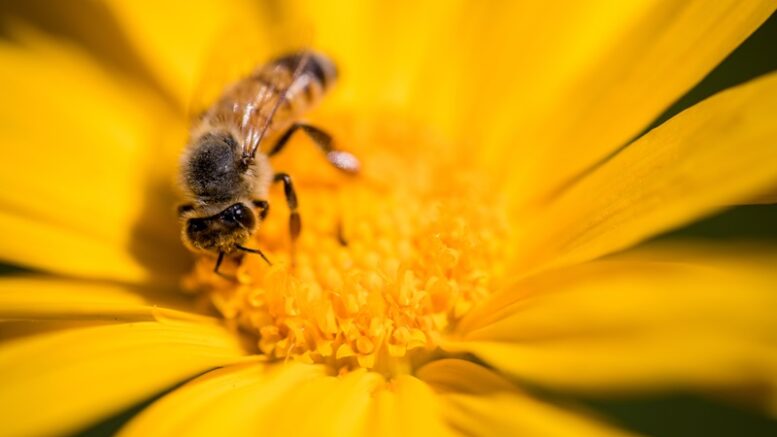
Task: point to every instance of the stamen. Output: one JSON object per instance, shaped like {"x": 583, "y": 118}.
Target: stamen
{"x": 424, "y": 242}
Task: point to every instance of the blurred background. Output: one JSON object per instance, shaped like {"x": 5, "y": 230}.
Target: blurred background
{"x": 683, "y": 414}
{"x": 667, "y": 415}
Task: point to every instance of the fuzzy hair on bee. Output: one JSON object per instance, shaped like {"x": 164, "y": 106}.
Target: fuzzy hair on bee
{"x": 224, "y": 173}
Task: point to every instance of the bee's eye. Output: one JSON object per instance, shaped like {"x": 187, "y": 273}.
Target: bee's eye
{"x": 194, "y": 226}
{"x": 238, "y": 214}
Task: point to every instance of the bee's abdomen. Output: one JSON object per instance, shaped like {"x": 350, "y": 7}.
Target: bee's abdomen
{"x": 283, "y": 89}
{"x": 317, "y": 67}
{"x": 304, "y": 85}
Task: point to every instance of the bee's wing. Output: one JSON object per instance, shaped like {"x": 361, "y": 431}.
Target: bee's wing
{"x": 286, "y": 75}
{"x": 231, "y": 56}
{"x": 238, "y": 50}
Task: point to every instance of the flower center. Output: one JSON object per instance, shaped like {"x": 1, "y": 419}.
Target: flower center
{"x": 387, "y": 261}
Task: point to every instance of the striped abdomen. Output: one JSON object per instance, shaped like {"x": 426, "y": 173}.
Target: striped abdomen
{"x": 313, "y": 78}
{"x": 250, "y": 102}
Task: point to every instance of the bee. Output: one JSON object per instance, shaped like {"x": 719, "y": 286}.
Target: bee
{"x": 223, "y": 171}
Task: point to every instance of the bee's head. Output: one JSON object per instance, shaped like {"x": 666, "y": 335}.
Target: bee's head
{"x": 221, "y": 232}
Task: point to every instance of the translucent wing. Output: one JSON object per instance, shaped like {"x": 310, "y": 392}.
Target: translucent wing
{"x": 281, "y": 77}
{"x": 240, "y": 48}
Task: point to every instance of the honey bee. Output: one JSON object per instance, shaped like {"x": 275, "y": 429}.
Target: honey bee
{"x": 224, "y": 174}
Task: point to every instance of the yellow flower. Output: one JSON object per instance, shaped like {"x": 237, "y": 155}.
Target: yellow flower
{"x": 493, "y": 184}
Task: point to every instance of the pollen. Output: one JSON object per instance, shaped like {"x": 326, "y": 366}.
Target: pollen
{"x": 387, "y": 261}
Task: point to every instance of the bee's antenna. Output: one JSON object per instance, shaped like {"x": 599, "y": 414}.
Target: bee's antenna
{"x": 256, "y": 251}
{"x": 218, "y": 265}
{"x": 218, "y": 262}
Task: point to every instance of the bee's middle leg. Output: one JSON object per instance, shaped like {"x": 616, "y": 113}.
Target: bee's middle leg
{"x": 295, "y": 223}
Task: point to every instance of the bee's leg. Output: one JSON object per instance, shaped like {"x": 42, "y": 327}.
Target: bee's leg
{"x": 264, "y": 208}
{"x": 283, "y": 140}
{"x": 342, "y": 160}
{"x": 295, "y": 223}
{"x": 340, "y": 233}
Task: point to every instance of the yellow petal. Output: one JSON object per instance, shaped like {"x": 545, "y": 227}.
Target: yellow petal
{"x": 39, "y": 298}
{"x": 478, "y": 402}
{"x": 407, "y": 408}
{"x": 522, "y": 66}
{"x": 664, "y": 318}
{"x": 88, "y": 161}
{"x": 283, "y": 399}
{"x": 293, "y": 400}
{"x": 406, "y": 61}
{"x": 717, "y": 153}
{"x": 61, "y": 382}
{"x": 91, "y": 27}
{"x": 14, "y": 329}
{"x": 330, "y": 406}
{"x": 768, "y": 197}
{"x": 528, "y": 67}
{"x": 176, "y": 38}
{"x": 230, "y": 401}
{"x": 631, "y": 62}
